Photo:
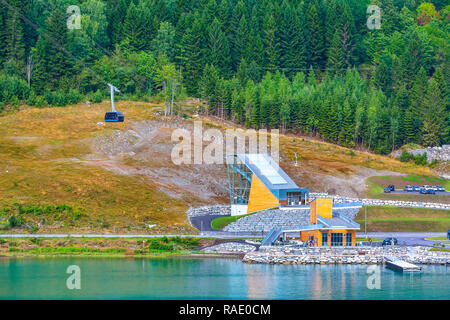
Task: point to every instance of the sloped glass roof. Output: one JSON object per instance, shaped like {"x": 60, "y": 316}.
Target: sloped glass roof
{"x": 266, "y": 168}
{"x": 268, "y": 171}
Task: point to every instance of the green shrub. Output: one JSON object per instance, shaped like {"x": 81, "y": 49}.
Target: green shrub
{"x": 421, "y": 159}
{"x": 14, "y": 222}
{"x": 41, "y": 102}
{"x": 4, "y": 225}
{"x": 97, "y": 97}
{"x": 405, "y": 156}
{"x": 12, "y": 87}
{"x": 74, "y": 96}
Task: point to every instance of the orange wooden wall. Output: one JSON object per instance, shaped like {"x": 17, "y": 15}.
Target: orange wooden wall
{"x": 322, "y": 207}
{"x": 260, "y": 197}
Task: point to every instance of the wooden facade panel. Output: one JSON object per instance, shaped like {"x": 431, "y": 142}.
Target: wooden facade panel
{"x": 260, "y": 197}
{"x": 322, "y": 207}
{"x": 304, "y": 236}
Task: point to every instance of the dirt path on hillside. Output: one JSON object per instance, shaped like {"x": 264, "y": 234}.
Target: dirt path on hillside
{"x": 144, "y": 150}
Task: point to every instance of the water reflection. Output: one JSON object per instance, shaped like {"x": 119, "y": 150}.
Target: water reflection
{"x": 211, "y": 279}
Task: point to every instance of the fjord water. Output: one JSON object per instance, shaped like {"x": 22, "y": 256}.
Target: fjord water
{"x": 211, "y": 278}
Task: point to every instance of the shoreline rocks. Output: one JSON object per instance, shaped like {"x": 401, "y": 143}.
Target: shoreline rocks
{"x": 351, "y": 255}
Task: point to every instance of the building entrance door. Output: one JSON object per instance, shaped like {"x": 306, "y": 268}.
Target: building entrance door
{"x": 294, "y": 198}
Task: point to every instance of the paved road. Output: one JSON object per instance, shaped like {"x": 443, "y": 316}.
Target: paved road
{"x": 203, "y": 223}
{"x": 405, "y": 238}
{"x": 223, "y": 235}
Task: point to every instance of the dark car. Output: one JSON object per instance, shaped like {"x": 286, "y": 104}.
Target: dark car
{"x": 387, "y": 190}
{"x": 427, "y": 191}
{"x": 448, "y": 234}
{"x": 391, "y": 186}
{"x": 389, "y": 241}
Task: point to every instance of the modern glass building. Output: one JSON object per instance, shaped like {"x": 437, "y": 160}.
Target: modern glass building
{"x": 257, "y": 183}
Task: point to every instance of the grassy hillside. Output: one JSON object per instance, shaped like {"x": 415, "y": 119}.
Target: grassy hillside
{"x": 385, "y": 219}
{"x": 41, "y": 153}
{"x": 51, "y": 181}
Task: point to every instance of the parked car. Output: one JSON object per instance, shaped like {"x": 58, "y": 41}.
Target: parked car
{"x": 435, "y": 188}
{"x": 389, "y": 241}
{"x": 448, "y": 234}
{"x": 387, "y": 190}
{"x": 427, "y": 191}
{"x": 426, "y": 186}
{"x": 408, "y": 188}
{"x": 416, "y": 188}
{"x": 440, "y": 188}
{"x": 392, "y": 187}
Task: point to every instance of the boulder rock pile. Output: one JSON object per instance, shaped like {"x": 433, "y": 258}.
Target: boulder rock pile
{"x": 230, "y": 247}
{"x": 360, "y": 255}
{"x": 217, "y": 210}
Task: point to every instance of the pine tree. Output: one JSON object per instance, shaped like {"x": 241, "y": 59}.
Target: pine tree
{"x": 433, "y": 120}
{"x": 117, "y": 11}
{"x": 346, "y": 132}
{"x": 384, "y": 78}
{"x": 54, "y": 67}
{"x": 417, "y": 55}
{"x": 335, "y": 64}
{"x": 241, "y": 43}
{"x": 289, "y": 35}
{"x": 270, "y": 42}
{"x": 316, "y": 38}
{"x": 416, "y": 100}
{"x": 193, "y": 68}
{"x": 219, "y": 51}
{"x": 14, "y": 42}
{"x": 139, "y": 27}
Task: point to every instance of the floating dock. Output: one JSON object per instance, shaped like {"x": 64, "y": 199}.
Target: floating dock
{"x": 400, "y": 265}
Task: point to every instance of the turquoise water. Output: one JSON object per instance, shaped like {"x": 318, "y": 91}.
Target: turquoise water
{"x": 195, "y": 278}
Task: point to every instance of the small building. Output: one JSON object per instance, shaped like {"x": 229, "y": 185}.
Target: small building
{"x": 326, "y": 228}
{"x": 257, "y": 183}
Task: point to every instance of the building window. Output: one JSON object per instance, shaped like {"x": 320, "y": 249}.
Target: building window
{"x": 336, "y": 239}
{"x": 324, "y": 239}
{"x": 348, "y": 239}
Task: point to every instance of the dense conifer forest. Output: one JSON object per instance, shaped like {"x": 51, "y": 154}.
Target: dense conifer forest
{"x": 314, "y": 67}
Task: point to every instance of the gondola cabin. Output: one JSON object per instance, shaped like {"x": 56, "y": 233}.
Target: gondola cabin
{"x": 114, "y": 116}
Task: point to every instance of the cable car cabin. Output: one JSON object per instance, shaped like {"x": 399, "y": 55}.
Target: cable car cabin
{"x": 114, "y": 116}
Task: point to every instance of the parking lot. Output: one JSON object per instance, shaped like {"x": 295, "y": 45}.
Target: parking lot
{"x": 438, "y": 193}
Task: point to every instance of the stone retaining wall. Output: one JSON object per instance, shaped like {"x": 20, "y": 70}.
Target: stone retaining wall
{"x": 209, "y": 210}
{"x": 353, "y": 255}
{"x": 379, "y": 202}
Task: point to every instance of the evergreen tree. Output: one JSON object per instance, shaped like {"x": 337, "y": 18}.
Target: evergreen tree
{"x": 14, "y": 42}
{"x": 384, "y": 78}
{"x": 192, "y": 42}
{"x": 291, "y": 55}
{"x": 270, "y": 42}
{"x": 54, "y": 67}
{"x": 316, "y": 38}
{"x": 139, "y": 27}
{"x": 219, "y": 51}
{"x": 433, "y": 120}
{"x": 336, "y": 64}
